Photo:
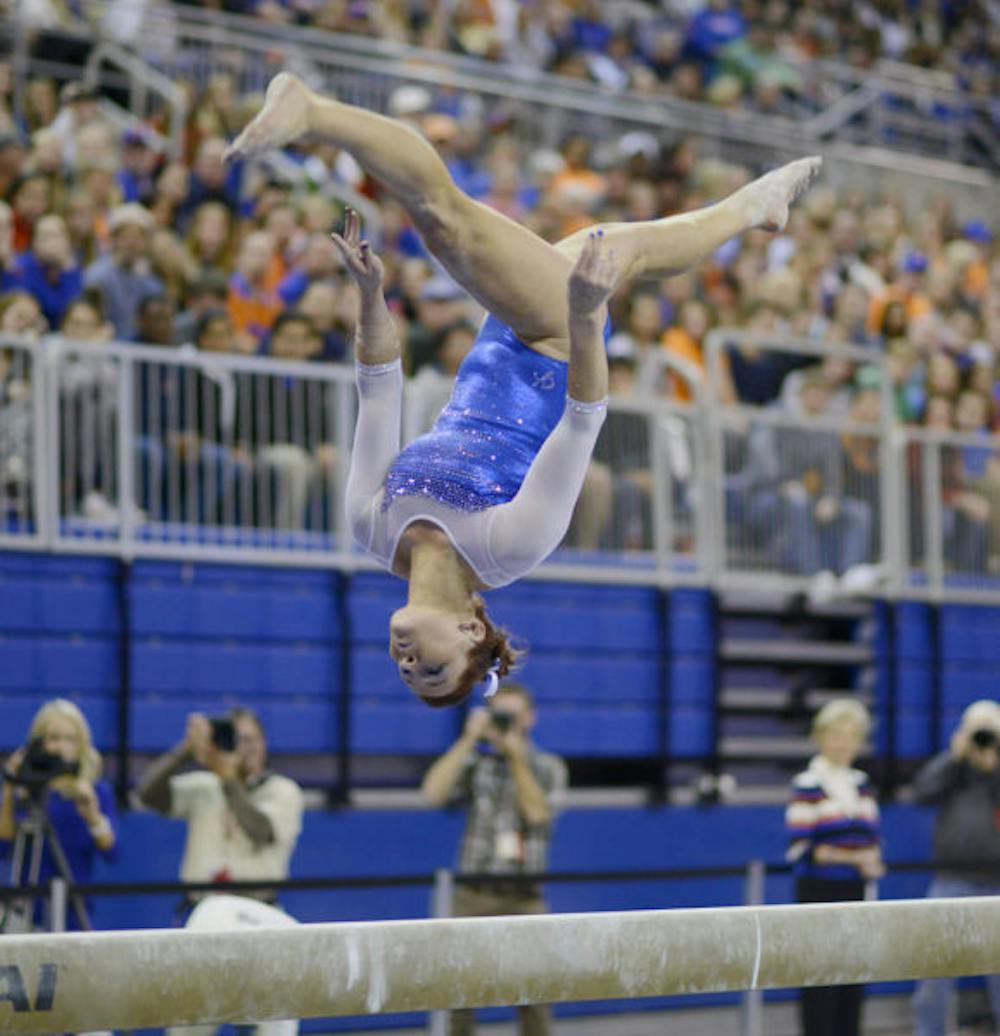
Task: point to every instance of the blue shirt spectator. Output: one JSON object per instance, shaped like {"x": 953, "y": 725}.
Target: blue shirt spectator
{"x": 58, "y": 772}
{"x": 55, "y": 287}
{"x": 49, "y": 271}
{"x": 124, "y": 276}
{"x": 710, "y": 30}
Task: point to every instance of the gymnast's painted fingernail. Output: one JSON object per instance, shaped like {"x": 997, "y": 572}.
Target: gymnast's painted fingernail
{"x": 600, "y": 233}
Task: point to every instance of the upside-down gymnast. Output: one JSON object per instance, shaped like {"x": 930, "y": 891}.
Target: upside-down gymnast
{"x": 488, "y": 493}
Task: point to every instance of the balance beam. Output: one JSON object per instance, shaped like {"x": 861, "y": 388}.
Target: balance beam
{"x": 136, "y": 979}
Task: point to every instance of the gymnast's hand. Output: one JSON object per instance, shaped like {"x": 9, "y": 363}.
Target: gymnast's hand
{"x": 595, "y": 276}
{"x": 362, "y": 263}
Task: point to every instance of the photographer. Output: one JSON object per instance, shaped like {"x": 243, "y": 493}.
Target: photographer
{"x": 512, "y": 792}
{"x": 964, "y": 783}
{"x": 243, "y": 821}
{"x": 58, "y": 772}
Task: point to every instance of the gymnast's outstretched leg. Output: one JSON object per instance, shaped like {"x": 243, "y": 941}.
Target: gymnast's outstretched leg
{"x": 669, "y": 246}
{"x": 509, "y": 270}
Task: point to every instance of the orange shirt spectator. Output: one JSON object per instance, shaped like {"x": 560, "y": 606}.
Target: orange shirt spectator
{"x": 907, "y": 289}
{"x": 252, "y": 303}
{"x": 683, "y": 341}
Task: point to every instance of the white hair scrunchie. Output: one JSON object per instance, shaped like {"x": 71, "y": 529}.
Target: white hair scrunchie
{"x": 492, "y": 679}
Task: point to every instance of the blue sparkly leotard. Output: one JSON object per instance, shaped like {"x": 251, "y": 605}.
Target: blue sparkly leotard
{"x": 506, "y": 401}
{"x": 499, "y": 472}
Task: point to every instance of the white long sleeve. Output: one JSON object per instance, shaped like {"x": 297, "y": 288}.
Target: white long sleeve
{"x": 499, "y": 543}
{"x": 376, "y": 443}
{"x": 525, "y": 531}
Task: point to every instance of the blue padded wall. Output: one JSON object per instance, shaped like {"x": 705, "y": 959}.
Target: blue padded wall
{"x": 914, "y": 660}
{"x": 59, "y": 637}
{"x": 594, "y": 659}
{"x": 209, "y": 637}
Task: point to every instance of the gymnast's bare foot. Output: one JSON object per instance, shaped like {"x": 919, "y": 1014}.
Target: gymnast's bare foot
{"x": 767, "y": 199}
{"x": 284, "y": 118}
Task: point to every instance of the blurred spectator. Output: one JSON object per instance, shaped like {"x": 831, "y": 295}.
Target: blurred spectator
{"x": 512, "y": 792}
{"x": 29, "y": 197}
{"x": 321, "y": 303}
{"x": 59, "y": 770}
{"x": 78, "y": 107}
{"x": 964, "y": 784}
{"x": 124, "y": 276}
{"x": 440, "y": 305}
{"x": 296, "y": 453}
{"x": 20, "y": 314}
{"x": 138, "y": 162}
{"x": 815, "y": 527}
{"x": 13, "y": 156}
{"x": 82, "y": 225}
{"x": 835, "y": 845}
{"x": 908, "y": 289}
{"x": 208, "y": 292}
{"x": 253, "y": 303}
{"x": 315, "y": 263}
{"x": 683, "y": 342}
{"x": 210, "y": 237}
{"x": 211, "y": 179}
{"x": 430, "y": 389}
{"x": 50, "y": 270}
{"x": 243, "y": 820}
{"x": 8, "y": 276}
{"x": 156, "y": 320}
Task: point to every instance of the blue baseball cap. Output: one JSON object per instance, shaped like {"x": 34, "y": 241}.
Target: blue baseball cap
{"x": 979, "y": 231}
{"x": 915, "y": 262}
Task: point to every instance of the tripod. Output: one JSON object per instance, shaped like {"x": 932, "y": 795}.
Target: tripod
{"x": 34, "y": 832}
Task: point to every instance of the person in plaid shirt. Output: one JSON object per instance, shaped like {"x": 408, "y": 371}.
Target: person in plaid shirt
{"x": 511, "y": 791}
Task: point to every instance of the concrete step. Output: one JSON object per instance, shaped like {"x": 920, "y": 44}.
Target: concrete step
{"x": 777, "y": 699}
{"x": 749, "y": 601}
{"x": 741, "y": 649}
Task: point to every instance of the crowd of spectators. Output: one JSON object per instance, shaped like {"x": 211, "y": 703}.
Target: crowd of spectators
{"x": 739, "y": 55}
{"x": 103, "y": 234}
{"x": 732, "y": 53}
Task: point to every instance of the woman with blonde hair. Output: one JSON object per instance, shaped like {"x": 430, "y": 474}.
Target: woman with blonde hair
{"x": 60, "y": 757}
{"x": 835, "y": 845}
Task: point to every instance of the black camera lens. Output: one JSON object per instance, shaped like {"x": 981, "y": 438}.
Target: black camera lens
{"x": 984, "y": 738}
{"x": 38, "y": 766}
{"x": 503, "y": 721}
{"x": 224, "y": 734}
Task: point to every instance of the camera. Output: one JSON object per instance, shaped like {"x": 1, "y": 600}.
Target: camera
{"x": 38, "y": 767}
{"x": 984, "y": 738}
{"x": 224, "y": 734}
{"x": 502, "y": 721}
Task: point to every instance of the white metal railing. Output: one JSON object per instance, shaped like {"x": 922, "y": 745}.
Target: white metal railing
{"x": 161, "y": 452}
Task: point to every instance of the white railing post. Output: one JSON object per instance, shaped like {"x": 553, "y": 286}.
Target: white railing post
{"x": 58, "y": 898}
{"x": 442, "y": 904}
{"x": 932, "y": 517}
{"x": 126, "y": 455}
{"x": 752, "y": 1007}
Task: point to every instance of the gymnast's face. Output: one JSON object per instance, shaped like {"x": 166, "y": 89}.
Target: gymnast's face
{"x": 431, "y": 646}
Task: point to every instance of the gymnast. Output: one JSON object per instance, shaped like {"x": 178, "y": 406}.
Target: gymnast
{"x": 488, "y": 493}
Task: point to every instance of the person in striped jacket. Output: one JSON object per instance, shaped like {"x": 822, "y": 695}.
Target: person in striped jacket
{"x": 834, "y": 844}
